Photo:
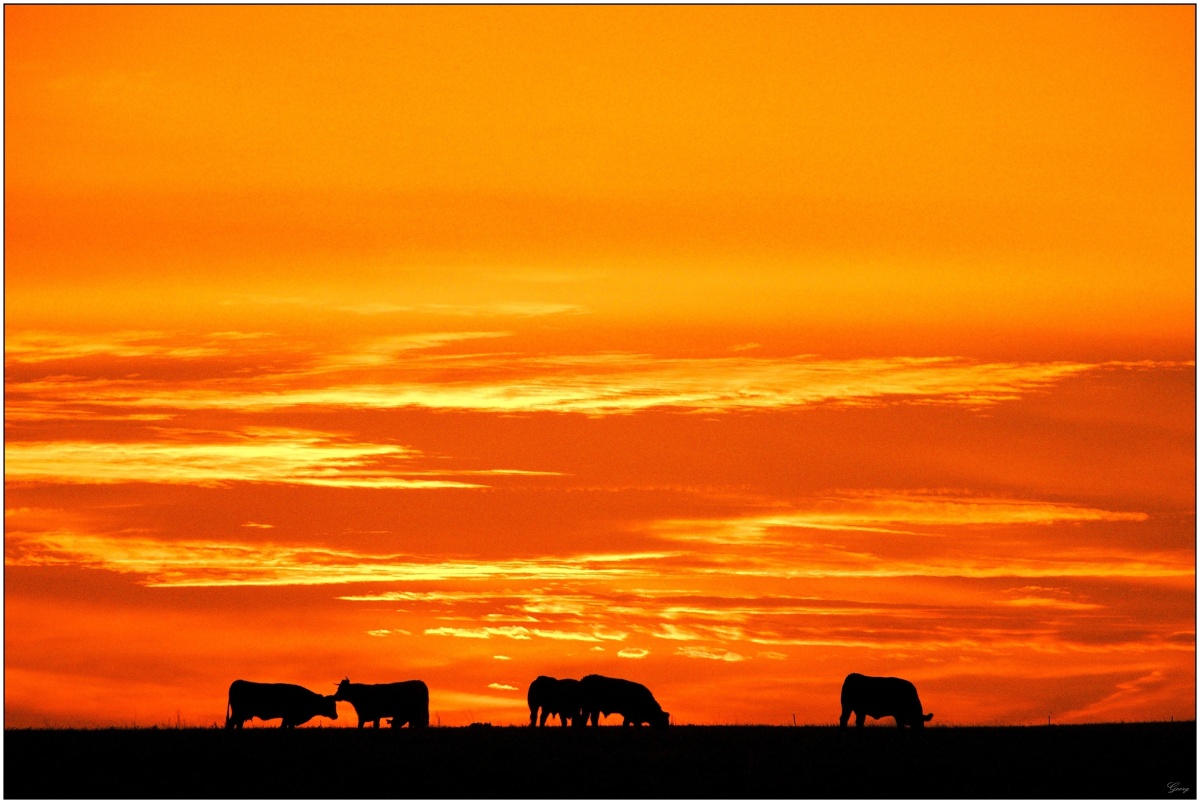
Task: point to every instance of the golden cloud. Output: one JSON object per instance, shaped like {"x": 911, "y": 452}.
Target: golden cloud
{"x": 279, "y": 456}
{"x": 712, "y": 655}
{"x": 222, "y": 563}
{"x": 523, "y": 633}
{"x": 880, "y": 512}
{"x": 369, "y": 375}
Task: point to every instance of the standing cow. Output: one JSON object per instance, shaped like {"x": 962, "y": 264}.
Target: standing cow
{"x": 406, "y": 702}
{"x": 294, "y": 704}
{"x": 881, "y": 697}
{"x": 633, "y": 701}
{"x": 553, "y": 696}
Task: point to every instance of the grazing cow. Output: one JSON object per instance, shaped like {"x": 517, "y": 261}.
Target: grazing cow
{"x": 554, "y": 696}
{"x": 633, "y": 701}
{"x": 406, "y": 702}
{"x": 294, "y": 704}
{"x": 881, "y": 697}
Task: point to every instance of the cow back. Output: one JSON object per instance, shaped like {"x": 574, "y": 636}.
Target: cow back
{"x": 882, "y": 696}
{"x": 616, "y": 695}
{"x": 292, "y": 703}
{"x": 406, "y": 700}
{"x": 543, "y": 693}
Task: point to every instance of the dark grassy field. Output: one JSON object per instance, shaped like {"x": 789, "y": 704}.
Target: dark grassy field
{"x": 1081, "y": 761}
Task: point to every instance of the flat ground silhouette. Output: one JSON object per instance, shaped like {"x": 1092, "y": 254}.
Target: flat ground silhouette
{"x": 1073, "y": 761}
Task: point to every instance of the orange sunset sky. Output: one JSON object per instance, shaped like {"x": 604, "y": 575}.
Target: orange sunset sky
{"x": 725, "y": 349}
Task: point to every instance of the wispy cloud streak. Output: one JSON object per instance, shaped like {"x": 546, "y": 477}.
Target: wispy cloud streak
{"x": 885, "y": 512}
{"x": 411, "y": 370}
{"x": 277, "y": 456}
{"x": 256, "y": 454}
{"x": 522, "y": 633}
{"x": 224, "y": 563}
{"x": 39, "y": 347}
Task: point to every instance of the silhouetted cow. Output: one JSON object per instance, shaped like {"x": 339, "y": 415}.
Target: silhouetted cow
{"x": 404, "y": 702}
{"x": 633, "y": 701}
{"x": 294, "y": 704}
{"x": 554, "y": 696}
{"x": 881, "y": 697}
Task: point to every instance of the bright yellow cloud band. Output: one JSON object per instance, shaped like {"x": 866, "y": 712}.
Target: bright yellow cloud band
{"x": 374, "y": 377}
{"x": 882, "y": 513}
{"x": 218, "y": 563}
{"x": 278, "y": 456}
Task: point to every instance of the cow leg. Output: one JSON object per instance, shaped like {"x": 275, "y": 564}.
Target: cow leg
{"x": 545, "y": 715}
{"x": 860, "y": 718}
{"x": 845, "y": 717}
{"x": 533, "y": 713}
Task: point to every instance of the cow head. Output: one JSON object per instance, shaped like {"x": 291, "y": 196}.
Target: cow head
{"x": 660, "y": 720}
{"x": 343, "y": 689}
{"x": 329, "y": 703}
{"x": 922, "y": 720}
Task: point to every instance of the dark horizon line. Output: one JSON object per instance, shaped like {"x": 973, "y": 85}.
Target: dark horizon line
{"x": 526, "y": 726}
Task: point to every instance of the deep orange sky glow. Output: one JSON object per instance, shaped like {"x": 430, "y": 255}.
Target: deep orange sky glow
{"x": 725, "y": 349}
